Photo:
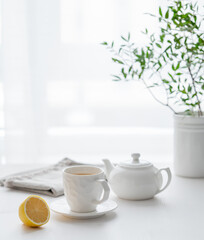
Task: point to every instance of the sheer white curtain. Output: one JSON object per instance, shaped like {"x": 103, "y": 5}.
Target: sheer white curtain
{"x": 59, "y": 99}
{"x": 30, "y": 49}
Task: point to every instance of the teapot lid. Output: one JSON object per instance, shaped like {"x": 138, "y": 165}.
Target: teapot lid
{"x": 135, "y": 162}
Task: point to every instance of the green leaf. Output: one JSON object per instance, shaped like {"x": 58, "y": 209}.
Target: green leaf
{"x": 184, "y": 99}
{"x": 170, "y": 75}
{"x": 126, "y": 40}
{"x": 104, "y": 43}
{"x": 167, "y": 14}
{"x": 177, "y": 66}
{"x": 162, "y": 38}
{"x": 174, "y": 80}
{"x": 158, "y": 45}
{"x": 202, "y": 86}
{"x": 169, "y": 25}
{"x": 152, "y": 38}
{"x": 130, "y": 69}
{"x": 160, "y": 12}
{"x": 189, "y": 88}
{"x": 195, "y": 94}
{"x": 183, "y": 91}
{"x": 117, "y": 61}
{"x": 133, "y": 74}
{"x": 150, "y": 14}
{"x": 167, "y": 54}
{"x": 171, "y": 90}
{"x": 117, "y": 78}
{"x": 165, "y": 81}
{"x": 164, "y": 58}
{"x": 160, "y": 65}
{"x": 123, "y": 72}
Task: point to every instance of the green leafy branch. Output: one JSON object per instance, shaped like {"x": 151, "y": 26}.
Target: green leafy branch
{"x": 173, "y": 60}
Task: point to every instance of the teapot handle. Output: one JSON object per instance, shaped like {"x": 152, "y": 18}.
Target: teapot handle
{"x": 167, "y": 170}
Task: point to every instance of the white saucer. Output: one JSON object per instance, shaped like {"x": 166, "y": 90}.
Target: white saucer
{"x": 60, "y": 206}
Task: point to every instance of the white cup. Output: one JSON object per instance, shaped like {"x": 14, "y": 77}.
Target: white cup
{"x": 85, "y": 187}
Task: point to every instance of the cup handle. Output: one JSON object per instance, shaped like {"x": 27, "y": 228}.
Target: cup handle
{"x": 106, "y": 191}
{"x": 167, "y": 170}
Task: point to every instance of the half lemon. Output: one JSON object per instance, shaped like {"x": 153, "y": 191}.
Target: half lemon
{"x": 34, "y": 211}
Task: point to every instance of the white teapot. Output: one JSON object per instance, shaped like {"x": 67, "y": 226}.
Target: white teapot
{"x": 135, "y": 180}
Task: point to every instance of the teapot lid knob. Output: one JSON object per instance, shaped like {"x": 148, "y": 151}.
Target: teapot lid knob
{"x": 136, "y": 162}
{"x": 135, "y": 157}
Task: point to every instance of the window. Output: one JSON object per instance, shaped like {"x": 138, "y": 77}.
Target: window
{"x": 60, "y": 99}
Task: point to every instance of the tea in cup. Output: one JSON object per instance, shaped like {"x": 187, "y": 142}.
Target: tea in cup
{"x": 85, "y": 187}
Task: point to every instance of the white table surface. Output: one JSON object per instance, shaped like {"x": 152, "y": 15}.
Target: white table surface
{"x": 176, "y": 213}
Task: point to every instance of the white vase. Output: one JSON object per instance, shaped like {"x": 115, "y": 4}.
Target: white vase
{"x": 189, "y": 146}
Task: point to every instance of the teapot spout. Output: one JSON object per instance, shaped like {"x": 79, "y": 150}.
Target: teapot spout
{"x": 108, "y": 167}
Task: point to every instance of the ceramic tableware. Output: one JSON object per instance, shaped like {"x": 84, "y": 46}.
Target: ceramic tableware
{"x": 136, "y": 179}
{"x": 61, "y": 207}
{"x": 85, "y": 187}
